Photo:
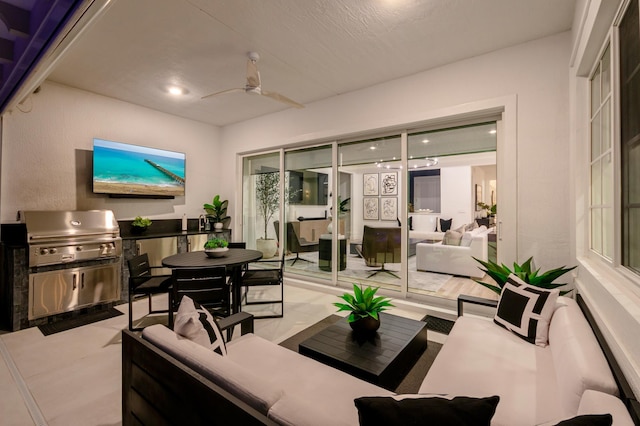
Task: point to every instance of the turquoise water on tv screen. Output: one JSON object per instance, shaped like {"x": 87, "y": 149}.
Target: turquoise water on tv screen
{"x": 118, "y": 163}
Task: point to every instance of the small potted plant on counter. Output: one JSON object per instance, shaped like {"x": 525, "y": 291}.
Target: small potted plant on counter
{"x": 140, "y": 224}
{"x": 364, "y": 307}
{"x": 216, "y": 247}
{"x": 217, "y": 211}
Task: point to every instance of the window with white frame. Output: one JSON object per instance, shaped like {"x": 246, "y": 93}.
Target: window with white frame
{"x": 629, "y": 36}
{"x": 601, "y": 159}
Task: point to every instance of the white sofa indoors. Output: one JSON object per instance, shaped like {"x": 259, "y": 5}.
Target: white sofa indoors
{"x": 425, "y": 227}
{"x": 454, "y": 259}
{"x": 259, "y": 382}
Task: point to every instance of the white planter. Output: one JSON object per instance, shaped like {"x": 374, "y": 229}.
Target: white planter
{"x": 267, "y": 247}
{"x": 216, "y": 252}
{"x": 217, "y": 226}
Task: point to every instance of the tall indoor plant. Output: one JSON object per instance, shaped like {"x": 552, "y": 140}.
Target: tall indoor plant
{"x": 268, "y": 202}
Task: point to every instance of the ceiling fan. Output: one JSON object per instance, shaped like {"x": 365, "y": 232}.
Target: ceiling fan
{"x": 254, "y": 86}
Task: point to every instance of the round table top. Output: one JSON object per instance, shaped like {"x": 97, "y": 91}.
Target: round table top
{"x": 199, "y": 259}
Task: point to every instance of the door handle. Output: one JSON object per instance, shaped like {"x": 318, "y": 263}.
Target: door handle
{"x": 82, "y": 281}
{"x": 75, "y": 281}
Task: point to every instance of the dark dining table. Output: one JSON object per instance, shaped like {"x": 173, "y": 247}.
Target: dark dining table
{"x": 233, "y": 260}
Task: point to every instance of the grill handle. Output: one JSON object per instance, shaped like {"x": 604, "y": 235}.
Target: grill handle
{"x": 58, "y": 236}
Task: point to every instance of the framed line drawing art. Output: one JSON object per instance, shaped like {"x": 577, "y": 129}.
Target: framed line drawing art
{"x": 370, "y": 210}
{"x": 370, "y": 184}
{"x": 389, "y": 183}
{"x": 389, "y": 208}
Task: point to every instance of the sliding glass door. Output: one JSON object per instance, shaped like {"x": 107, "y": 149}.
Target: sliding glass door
{"x": 452, "y": 185}
{"x": 376, "y": 211}
{"x": 370, "y": 179}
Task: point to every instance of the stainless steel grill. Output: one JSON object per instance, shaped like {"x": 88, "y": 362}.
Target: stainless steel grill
{"x": 74, "y": 260}
{"x": 56, "y": 237}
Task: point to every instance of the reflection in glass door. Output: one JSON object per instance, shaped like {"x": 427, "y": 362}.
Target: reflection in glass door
{"x": 308, "y": 179}
{"x": 370, "y": 235}
{"x": 452, "y": 199}
{"x": 261, "y": 202}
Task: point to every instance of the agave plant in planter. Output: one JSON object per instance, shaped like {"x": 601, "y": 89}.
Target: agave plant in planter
{"x": 500, "y": 273}
{"x": 364, "y": 307}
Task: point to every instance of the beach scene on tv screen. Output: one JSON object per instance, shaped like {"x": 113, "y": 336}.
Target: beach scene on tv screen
{"x": 120, "y": 168}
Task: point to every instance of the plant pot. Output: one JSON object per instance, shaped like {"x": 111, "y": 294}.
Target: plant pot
{"x": 138, "y": 229}
{"x": 217, "y": 226}
{"x": 217, "y": 252}
{"x": 267, "y": 247}
{"x": 367, "y": 325}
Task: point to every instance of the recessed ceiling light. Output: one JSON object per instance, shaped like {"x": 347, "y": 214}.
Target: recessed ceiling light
{"x": 372, "y": 148}
{"x": 493, "y": 132}
{"x": 176, "y": 90}
{"x": 425, "y": 140}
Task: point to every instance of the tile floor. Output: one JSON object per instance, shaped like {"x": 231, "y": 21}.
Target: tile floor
{"x": 73, "y": 377}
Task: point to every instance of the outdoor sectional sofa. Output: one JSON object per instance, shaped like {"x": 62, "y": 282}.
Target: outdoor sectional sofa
{"x": 168, "y": 379}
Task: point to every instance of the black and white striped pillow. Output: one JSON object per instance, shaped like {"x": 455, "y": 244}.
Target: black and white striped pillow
{"x": 526, "y": 310}
{"x": 195, "y": 323}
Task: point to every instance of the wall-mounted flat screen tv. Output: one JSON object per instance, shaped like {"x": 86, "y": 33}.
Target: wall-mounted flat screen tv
{"x": 132, "y": 170}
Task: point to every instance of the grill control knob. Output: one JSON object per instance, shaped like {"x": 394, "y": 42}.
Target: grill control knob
{"x": 53, "y": 250}
{"x": 78, "y": 248}
{"x": 44, "y": 251}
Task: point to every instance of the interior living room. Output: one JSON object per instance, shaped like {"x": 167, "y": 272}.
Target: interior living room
{"x": 390, "y": 144}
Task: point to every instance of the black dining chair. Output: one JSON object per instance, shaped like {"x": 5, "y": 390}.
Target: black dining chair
{"x": 141, "y": 282}
{"x": 267, "y": 272}
{"x": 206, "y": 286}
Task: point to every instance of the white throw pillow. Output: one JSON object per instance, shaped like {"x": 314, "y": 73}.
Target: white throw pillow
{"x": 467, "y": 237}
{"x": 526, "y": 310}
{"x": 197, "y": 324}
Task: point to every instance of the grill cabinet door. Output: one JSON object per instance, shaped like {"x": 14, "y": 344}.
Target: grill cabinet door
{"x": 52, "y": 292}
{"x": 98, "y": 284}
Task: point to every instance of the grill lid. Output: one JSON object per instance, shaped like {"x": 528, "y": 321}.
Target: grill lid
{"x": 58, "y": 225}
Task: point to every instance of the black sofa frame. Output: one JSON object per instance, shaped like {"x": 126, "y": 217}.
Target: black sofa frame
{"x": 157, "y": 389}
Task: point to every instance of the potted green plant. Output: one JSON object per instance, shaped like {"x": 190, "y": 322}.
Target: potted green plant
{"x": 216, "y": 247}
{"x": 268, "y": 202}
{"x": 140, "y": 224}
{"x": 343, "y": 209}
{"x": 217, "y": 211}
{"x": 490, "y": 209}
{"x": 364, "y": 307}
{"x": 500, "y": 273}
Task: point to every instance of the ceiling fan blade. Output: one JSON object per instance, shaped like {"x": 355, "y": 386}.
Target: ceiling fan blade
{"x": 253, "y": 75}
{"x": 282, "y": 98}
{"x": 223, "y": 92}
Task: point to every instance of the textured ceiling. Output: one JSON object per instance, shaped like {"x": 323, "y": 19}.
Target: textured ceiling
{"x": 310, "y": 50}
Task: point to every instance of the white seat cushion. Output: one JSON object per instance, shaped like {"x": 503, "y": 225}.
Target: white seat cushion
{"x": 303, "y": 377}
{"x": 480, "y": 358}
{"x": 253, "y": 389}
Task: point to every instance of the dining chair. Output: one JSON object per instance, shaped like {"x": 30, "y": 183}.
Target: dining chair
{"x": 141, "y": 282}
{"x": 206, "y": 286}
{"x": 261, "y": 273}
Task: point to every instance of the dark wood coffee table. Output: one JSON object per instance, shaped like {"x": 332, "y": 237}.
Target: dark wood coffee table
{"x": 382, "y": 359}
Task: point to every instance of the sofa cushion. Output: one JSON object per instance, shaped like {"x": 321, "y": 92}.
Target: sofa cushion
{"x": 258, "y": 392}
{"x": 588, "y": 420}
{"x": 302, "y": 376}
{"x": 576, "y": 352}
{"x": 460, "y": 410}
{"x": 197, "y": 324}
{"x": 452, "y": 238}
{"x": 526, "y": 310}
{"x": 291, "y": 410}
{"x": 445, "y": 224}
{"x": 480, "y": 358}
{"x": 595, "y": 402}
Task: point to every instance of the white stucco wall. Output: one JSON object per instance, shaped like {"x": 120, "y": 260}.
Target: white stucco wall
{"x": 47, "y": 163}
{"x": 535, "y": 72}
